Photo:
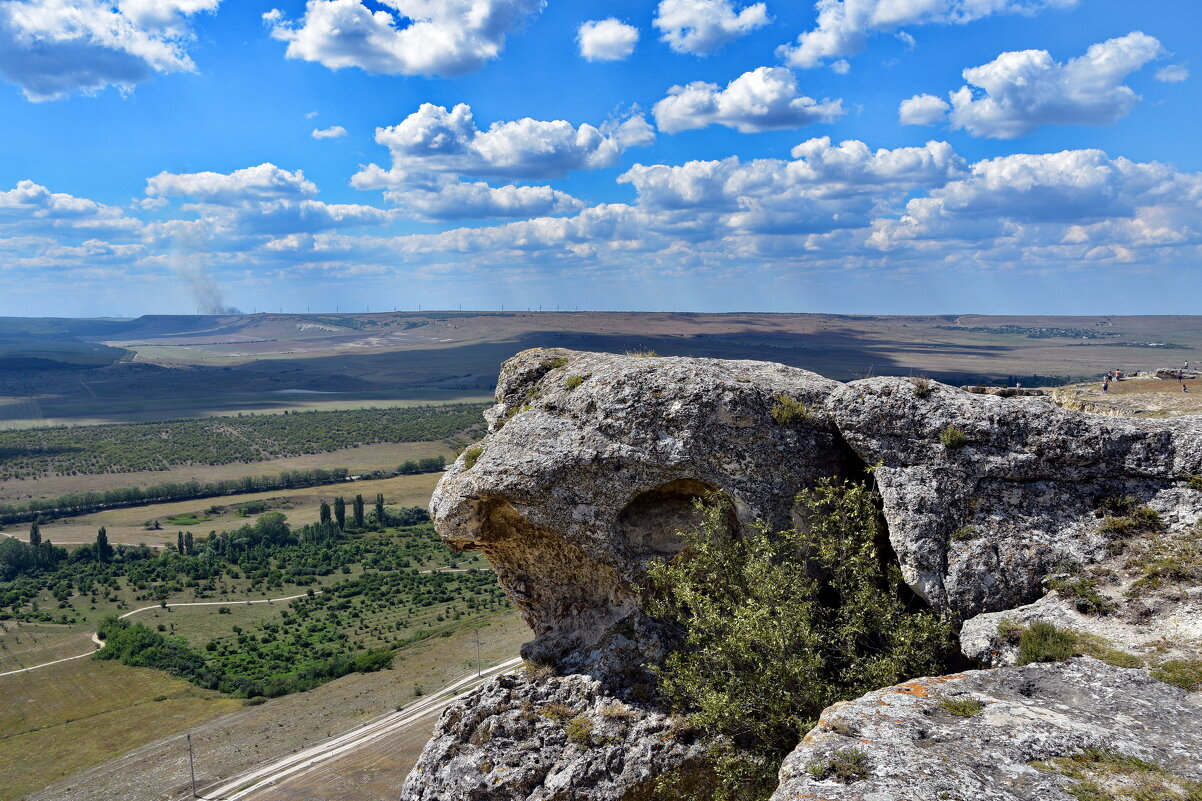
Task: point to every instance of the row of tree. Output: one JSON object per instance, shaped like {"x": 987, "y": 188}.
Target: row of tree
{"x": 88, "y": 502}
{"x": 19, "y": 558}
{"x": 80, "y": 503}
{"x": 379, "y": 518}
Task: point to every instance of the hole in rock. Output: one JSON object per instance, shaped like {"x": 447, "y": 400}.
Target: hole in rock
{"x": 652, "y": 521}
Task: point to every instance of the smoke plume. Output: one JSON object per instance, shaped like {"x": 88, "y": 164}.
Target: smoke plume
{"x": 205, "y": 291}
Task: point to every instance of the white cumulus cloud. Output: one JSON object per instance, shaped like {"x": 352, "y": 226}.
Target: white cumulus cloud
{"x": 433, "y": 140}
{"x": 1022, "y": 90}
{"x": 406, "y": 37}
{"x": 606, "y": 39}
{"x": 51, "y": 48}
{"x": 699, "y": 27}
{"x": 30, "y": 208}
{"x": 764, "y": 99}
{"x": 825, "y": 188}
{"x": 844, "y": 25}
{"x": 827, "y": 210}
{"x": 922, "y": 110}
{"x": 1075, "y": 204}
{"x": 260, "y": 200}
{"x": 1172, "y": 73}
{"x": 264, "y": 182}
{"x": 333, "y": 132}
{"x": 478, "y": 200}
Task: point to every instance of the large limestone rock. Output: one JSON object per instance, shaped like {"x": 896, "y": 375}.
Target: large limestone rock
{"x": 976, "y": 527}
{"x": 916, "y": 749}
{"x": 593, "y": 461}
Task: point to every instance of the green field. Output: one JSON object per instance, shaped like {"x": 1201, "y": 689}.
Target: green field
{"x": 131, "y": 743}
{"x": 135, "y": 447}
{"x": 385, "y": 591}
{"x": 101, "y": 709}
{"x": 128, "y": 526}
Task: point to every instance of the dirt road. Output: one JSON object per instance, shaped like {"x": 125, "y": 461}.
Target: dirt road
{"x": 100, "y": 643}
{"x": 253, "y": 784}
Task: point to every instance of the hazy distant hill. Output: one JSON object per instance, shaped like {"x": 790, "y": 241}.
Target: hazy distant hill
{"x": 184, "y": 365}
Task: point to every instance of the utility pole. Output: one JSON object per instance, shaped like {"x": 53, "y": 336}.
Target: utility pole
{"x": 477, "y": 632}
{"x": 191, "y": 765}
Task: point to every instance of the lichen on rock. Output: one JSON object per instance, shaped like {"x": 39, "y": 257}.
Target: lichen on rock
{"x": 1027, "y": 483}
{"x": 593, "y": 464}
{"x": 549, "y": 738}
{"x": 916, "y": 749}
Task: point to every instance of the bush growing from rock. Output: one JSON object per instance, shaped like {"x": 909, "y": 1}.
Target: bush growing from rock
{"x": 471, "y": 456}
{"x": 846, "y": 765}
{"x": 1183, "y": 673}
{"x": 961, "y": 707}
{"x": 923, "y": 386}
{"x": 789, "y": 410}
{"x": 580, "y": 731}
{"x": 952, "y": 437}
{"x": 1043, "y": 642}
{"x": 776, "y": 626}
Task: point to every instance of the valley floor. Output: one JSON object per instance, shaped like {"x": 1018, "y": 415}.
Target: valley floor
{"x": 230, "y": 737}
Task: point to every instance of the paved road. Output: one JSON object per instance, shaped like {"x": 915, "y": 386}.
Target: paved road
{"x": 100, "y": 643}
{"x": 245, "y": 786}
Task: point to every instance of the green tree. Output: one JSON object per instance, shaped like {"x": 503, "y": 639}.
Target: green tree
{"x": 775, "y": 627}
{"x": 188, "y": 544}
{"x": 325, "y": 512}
{"x": 340, "y": 511}
{"x": 358, "y": 511}
{"x": 179, "y": 544}
{"x": 104, "y": 551}
{"x": 381, "y": 515}
{"x": 35, "y": 534}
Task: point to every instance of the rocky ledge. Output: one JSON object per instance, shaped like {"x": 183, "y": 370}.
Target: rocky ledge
{"x": 1004, "y": 735}
{"x": 591, "y": 466}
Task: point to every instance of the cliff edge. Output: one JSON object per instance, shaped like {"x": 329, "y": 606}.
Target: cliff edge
{"x": 592, "y": 465}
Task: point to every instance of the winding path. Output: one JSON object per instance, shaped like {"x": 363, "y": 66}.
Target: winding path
{"x": 100, "y": 643}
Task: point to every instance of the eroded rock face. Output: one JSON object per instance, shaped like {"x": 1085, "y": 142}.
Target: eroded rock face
{"x": 1155, "y": 627}
{"x": 916, "y": 749}
{"x": 977, "y": 526}
{"x": 550, "y": 739}
{"x": 592, "y": 464}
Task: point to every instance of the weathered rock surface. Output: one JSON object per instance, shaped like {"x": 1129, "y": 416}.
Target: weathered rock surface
{"x": 918, "y": 751}
{"x": 977, "y": 526}
{"x": 1154, "y": 626}
{"x": 550, "y": 739}
{"x": 592, "y": 464}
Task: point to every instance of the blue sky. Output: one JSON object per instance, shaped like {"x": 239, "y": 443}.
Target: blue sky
{"x": 890, "y": 156}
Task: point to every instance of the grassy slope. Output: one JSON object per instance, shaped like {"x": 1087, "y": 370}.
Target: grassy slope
{"x": 71, "y": 716}
{"x": 253, "y": 735}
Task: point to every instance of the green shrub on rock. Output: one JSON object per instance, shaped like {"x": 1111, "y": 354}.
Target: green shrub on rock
{"x": 777, "y": 626}
{"x": 1043, "y": 642}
